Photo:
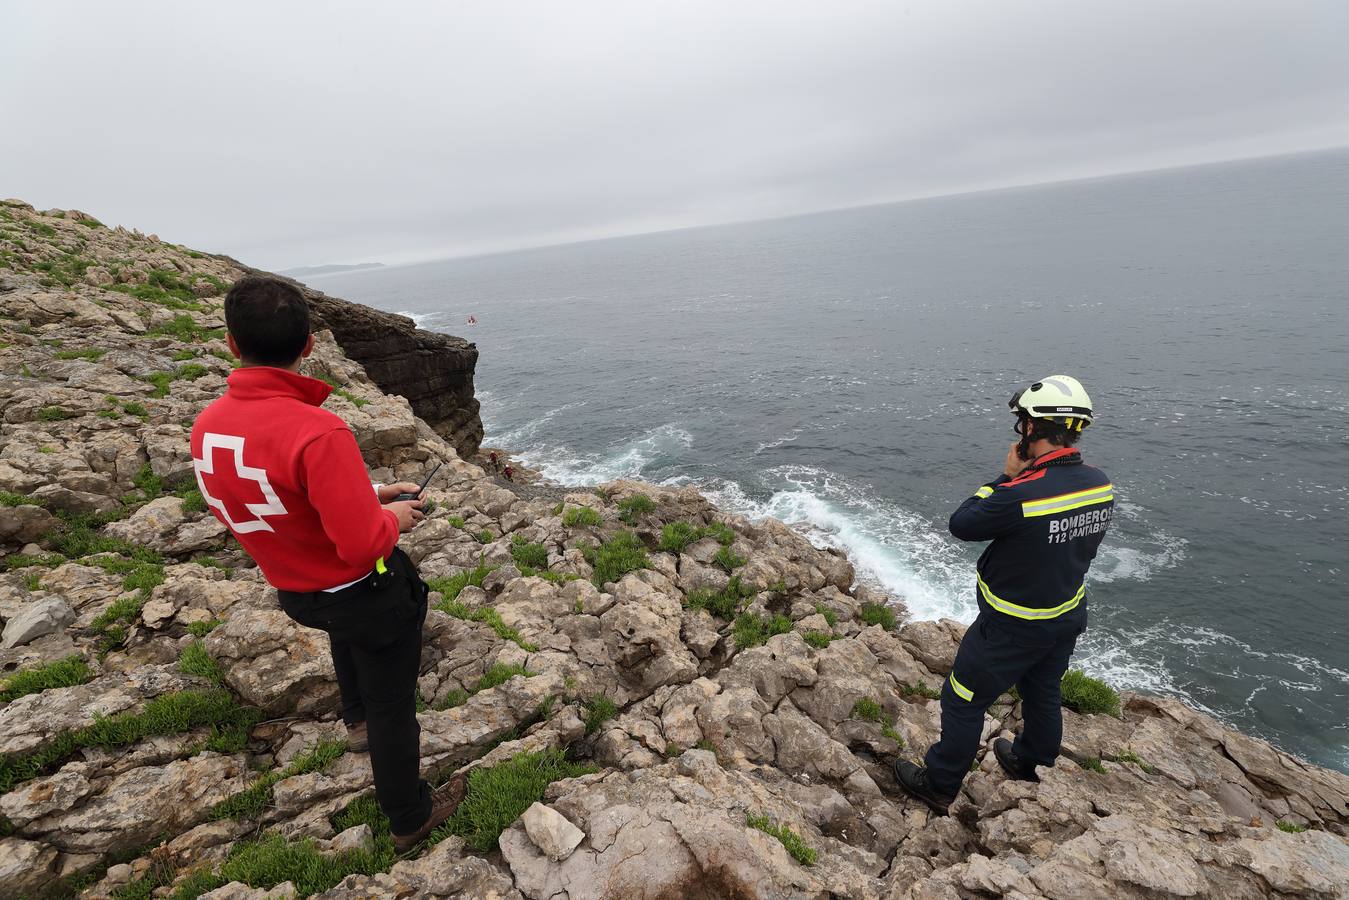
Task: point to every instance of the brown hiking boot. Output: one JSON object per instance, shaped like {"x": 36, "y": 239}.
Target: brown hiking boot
{"x": 444, "y": 801}
{"x": 357, "y": 739}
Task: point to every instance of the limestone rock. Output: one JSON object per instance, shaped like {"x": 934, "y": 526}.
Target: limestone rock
{"x": 41, "y": 617}
{"x": 551, "y": 832}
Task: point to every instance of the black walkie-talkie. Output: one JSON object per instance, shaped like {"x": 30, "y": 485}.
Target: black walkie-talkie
{"x": 420, "y": 489}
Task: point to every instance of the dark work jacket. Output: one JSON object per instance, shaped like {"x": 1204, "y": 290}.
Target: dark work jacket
{"x": 1045, "y": 526}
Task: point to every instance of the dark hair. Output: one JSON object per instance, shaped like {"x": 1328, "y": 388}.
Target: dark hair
{"x": 268, "y": 319}
{"x": 1056, "y": 434}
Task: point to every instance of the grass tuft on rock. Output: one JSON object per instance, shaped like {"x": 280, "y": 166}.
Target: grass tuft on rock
{"x": 793, "y": 842}
{"x": 877, "y": 614}
{"x": 528, "y": 555}
{"x": 194, "y": 660}
{"x": 449, "y": 588}
{"x": 1084, "y": 694}
{"x": 1290, "y": 827}
{"x": 1131, "y": 758}
{"x": 631, "y": 509}
{"x": 728, "y": 560}
{"x": 253, "y": 800}
{"x": 499, "y": 674}
{"x": 1092, "y": 764}
{"x": 66, "y": 672}
{"x": 919, "y": 690}
{"x": 616, "y": 557}
{"x": 164, "y": 715}
{"x": 724, "y": 603}
{"x": 498, "y": 795}
{"x": 580, "y": 517}
{"x": 752, "y": 630}
{"x": 485, "y": 614}
{"x": 817, "y": 639}
{"x": 598, "y": 710}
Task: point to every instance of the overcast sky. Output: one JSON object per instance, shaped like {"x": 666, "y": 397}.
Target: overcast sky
{"x": 289, "y": 133}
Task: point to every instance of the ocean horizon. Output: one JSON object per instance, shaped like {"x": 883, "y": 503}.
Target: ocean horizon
{"x": 849, "y": 371}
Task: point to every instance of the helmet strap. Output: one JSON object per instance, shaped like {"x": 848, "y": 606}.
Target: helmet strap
{"x": 1023, "y": 445}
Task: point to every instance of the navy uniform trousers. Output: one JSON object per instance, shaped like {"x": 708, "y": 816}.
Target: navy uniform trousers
{"x": 993, "y": 657}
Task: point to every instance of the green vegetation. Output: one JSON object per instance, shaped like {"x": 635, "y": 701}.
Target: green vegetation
{"x": 724, "y": 603}
{"x": 789, "y": 839}
{"x": 630, "y": 509}
{"x": 53, "y": 414}
{"x": 919, "y": 690}
{"x": 675, "y": 536}
{"x": 1290, "y": 827}
{"x": 580, "y": 517}
{"x": 817, "y": 639}
{"x": 164, "y": 715}
{"x": 1132, "y": 758}
{"x": 184, "y": 328}
{"x": 728, "y": 560}
{"x": 1087, "y": 695}
{"x": 484, "y": 537}
{"x": 598, "y": 711}
{"x": 185, "y": 355}
{"x": 527, "y": 555}
{"x": 499, "y": 674}
{"x": 498, "y": 795}
{"x": 164, "y": 288}
{"x": 253, "y": 800}
{"x": 751, "y": 630}
{"x": 194, "y": 660}
{"x": 616, "y": 557}
{"x": 867, "y": 710}
{"x": 63, "y": 673}
{"x": 877, "y": 614}
{"x": 201, "y": 629}
{"x": 67, "y": 270}
{"x": 9, "y": 498}
{"x": 23, "y": 561}
{"x": 90, "y": 353}
{"x": 1092, "y": 764}
{"x": 455, "y": 697}
{"x": 162, "y": 380}
{"x": 456, "y": 521}
{"x": 485, "y": 614}
{"x": 450, "y": 587}
{"x": 829, "y": 615}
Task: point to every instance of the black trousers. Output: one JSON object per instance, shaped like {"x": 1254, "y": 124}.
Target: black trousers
{"x": 375, "y": 630}
{"x": 992, "y": 658}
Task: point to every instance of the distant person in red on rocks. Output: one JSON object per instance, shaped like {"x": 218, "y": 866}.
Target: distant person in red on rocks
{"x": 509, "y": 473}
{"x": 496, "y": 463}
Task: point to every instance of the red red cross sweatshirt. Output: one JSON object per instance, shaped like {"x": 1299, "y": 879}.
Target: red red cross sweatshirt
{"x": 287, "y": 478}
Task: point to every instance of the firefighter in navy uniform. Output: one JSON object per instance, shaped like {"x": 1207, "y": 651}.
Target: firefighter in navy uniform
{"x": 1045, "y": 516}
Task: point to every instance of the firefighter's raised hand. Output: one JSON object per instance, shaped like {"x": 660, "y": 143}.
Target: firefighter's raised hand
{"x": 1014, "y": 464}
{"x": 409, "y": 512}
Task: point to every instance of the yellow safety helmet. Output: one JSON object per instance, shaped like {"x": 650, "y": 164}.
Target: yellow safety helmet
{"x": 1057, "y": 398}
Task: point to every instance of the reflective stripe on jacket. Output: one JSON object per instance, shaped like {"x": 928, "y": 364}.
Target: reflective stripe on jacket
{"x": 1045, "y": 526}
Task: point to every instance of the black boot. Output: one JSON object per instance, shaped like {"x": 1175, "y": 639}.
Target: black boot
{"x": 1016, "y": 768}
{"x": 914, "y": 781}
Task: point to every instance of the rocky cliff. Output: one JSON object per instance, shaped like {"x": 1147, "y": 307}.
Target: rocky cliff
{"x": 652, "y": 698}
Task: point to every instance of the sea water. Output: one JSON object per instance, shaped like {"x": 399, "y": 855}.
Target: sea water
{"x": 850, "y": 371}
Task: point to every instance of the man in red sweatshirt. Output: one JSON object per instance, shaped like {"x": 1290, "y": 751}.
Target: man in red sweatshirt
{"x": 286, "y": 477}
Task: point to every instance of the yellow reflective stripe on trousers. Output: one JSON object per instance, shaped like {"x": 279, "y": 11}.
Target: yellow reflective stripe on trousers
{"x": 380, "y": 567}
{"x": 1026, "y": 612}
{"x": 983, "y": 492}
{"x": 1064, "y": 502}
{"x": 962, "y": 692}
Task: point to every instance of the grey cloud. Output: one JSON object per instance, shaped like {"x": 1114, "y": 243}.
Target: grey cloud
{"x": 303, "y": 133}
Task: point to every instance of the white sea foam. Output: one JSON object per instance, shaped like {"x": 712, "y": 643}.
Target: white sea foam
{"x": 418, "y": 319}
{"x": 566, "y": 466}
